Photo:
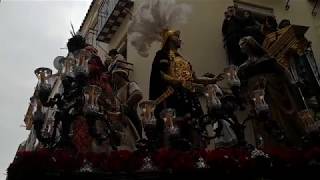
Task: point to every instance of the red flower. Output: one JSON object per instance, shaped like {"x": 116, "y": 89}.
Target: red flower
{"x": 222, "y": 158}
{"x": 312, "y": 154}
{"x": 136, "y": 161}
{"x": 183, "y": 161}
{"x": 81, "y": 136}
{"x": 286, "y": 155}
{"x": 65, "y": 160}
{"x": 95, "y": 159}
{"x": 119, "y": 160}
{"x": 163, "y": 158}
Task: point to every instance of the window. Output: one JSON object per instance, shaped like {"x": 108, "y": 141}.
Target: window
{"x": 259, "y": 12}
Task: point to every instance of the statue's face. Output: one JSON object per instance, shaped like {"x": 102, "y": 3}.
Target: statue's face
{"x": 232, "y": 11}
{"x": 243, "y": 46}
{"x": 226, "y": 14}
{"x": 118, "y": 77}
{"x": 113, "y": 55}
{"x": 175, "y": 39}
{"x": 246, "y": 14}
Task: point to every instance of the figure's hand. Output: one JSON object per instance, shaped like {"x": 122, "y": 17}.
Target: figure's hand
{"x": 209, "y": 75}
{"x": 186, "y": 84}
{"x": 214, "y": 80}
{"x": 220, "y": 77}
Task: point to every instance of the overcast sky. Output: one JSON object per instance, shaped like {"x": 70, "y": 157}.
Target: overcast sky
{"x": 31, "y": 35}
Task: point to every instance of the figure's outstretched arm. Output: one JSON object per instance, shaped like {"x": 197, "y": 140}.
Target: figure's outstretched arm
{"x": 207, "y": 80}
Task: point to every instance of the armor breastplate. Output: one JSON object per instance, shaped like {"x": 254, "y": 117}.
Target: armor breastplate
{"x": 180, "y": 68}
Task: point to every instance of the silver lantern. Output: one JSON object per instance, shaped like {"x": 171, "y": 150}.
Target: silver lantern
{"x": 43, "y": 74}
{"x": 147, "y": 112}
{"x": 231, "y": 75}
{"x": 168, "y": 116}
{"x": 91, "y": 96}
{"x": 259, "y": 102}
{"x": 212, "y": 91}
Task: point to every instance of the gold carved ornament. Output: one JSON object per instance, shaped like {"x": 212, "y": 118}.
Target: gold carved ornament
{"x": 284, "y": 42}
{"x": 181, "y": 70}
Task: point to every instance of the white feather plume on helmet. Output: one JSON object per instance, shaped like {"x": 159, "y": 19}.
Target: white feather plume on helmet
{"x": 154, "y": 21}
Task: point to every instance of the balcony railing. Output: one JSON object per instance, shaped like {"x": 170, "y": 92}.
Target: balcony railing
{"x": 111, "y": 15}
{"x": 105, "y": 11}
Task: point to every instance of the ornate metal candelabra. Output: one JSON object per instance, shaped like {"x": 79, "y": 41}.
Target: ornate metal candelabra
{"x": 168, "y": 116}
